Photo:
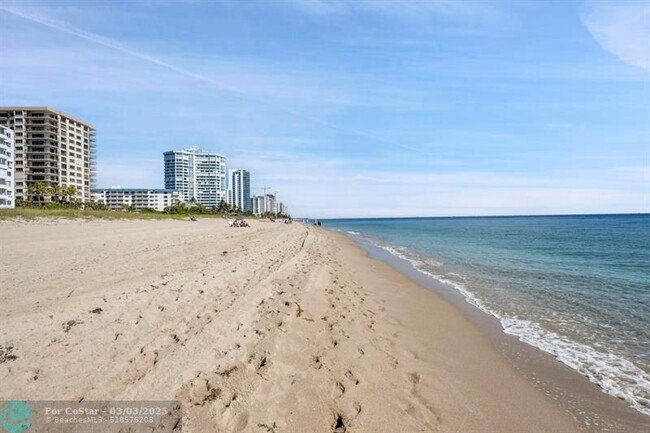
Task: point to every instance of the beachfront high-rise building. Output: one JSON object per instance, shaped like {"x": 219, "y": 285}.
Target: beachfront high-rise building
{"x": 52, "y": 148}
{"x": 271, "y": 203}
{"x": 240, "y": 185}
{"x": 138, "y": 198}
{"x": 229, "y": 196}
{"x": 258, "y": 204}
{"x": 264, "y": 203}
{"x": 199, "y": 175}
{"x": 7, "y": 199}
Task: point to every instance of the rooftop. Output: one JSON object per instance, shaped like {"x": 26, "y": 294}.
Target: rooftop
{"x": 61, "y": 113}
{"x": 194, "y": 150}
{"x": 95, "y": 190}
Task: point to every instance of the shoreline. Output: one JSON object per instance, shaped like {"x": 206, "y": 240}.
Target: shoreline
{"x": 288, "y": 326}
{"x": 573, "y": 391}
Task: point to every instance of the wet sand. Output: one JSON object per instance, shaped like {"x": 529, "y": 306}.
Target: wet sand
{"x": 284, "y": 328}
{"x": 595, "y": 410}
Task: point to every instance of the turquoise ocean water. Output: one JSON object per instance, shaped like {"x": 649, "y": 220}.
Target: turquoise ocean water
{"x": 577, "y": 287}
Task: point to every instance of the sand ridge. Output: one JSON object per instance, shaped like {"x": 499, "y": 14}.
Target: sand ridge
{"x": 273, "y": 328}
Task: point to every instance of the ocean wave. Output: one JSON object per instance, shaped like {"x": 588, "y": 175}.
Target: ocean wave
{"x": 614, "y": 374}
{"x": 349, "y": 232}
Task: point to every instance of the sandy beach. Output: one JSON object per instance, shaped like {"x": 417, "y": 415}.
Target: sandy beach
{"x": 272, "y": 328}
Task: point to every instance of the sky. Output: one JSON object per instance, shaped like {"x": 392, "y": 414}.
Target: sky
{"x": 356, "y": 108}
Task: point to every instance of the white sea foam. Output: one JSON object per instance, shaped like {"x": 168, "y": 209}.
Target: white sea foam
{"x": 349, "y": 232}
{"x": 614, "y": 374}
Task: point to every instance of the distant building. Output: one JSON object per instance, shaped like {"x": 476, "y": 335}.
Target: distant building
{"x": 264, "y": 203}
{"x": 199, "y": 176}
{"x": 229, "y": 196}
{"x": 7, "y": 196}
{"x": 271, "y": 203}
{"x": 240, "y": 185}
{"x": 51, "y": 147}
{"x": 258, "y": 204}
{"x": 119, "y": 198}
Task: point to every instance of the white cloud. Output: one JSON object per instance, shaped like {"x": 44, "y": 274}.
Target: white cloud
{"x": 333, "y": 187}
{"x": 357, "y": 201}
{"x": 623, "y": 29}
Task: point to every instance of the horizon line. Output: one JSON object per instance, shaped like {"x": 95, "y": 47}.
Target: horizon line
{"x": 481, "y": 216}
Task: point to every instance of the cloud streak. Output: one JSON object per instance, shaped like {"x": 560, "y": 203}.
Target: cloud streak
{"x": 218, "y": 85}
{"x": 623, "y": 29}
{"x": 113, "y": 44}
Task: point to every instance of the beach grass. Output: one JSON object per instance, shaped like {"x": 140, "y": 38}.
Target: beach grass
{"x": 36, "y": 213}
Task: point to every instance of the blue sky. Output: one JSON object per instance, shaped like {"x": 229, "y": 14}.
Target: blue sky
{"x": 356, "y": 107}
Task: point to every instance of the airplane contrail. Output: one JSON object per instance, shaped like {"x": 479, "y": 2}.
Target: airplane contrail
{"x": 92, "y": 37}
{"x": 116, "y": 45}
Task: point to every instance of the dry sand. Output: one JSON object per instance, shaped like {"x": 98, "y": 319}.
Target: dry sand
{"x": 272, "y": 328}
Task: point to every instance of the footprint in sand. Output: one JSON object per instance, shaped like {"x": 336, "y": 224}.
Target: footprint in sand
{"x": 338, "y": 390}
{"x": 315, "y": 362}
{"x": 338, "y": 426}
{"x": 351, "y": 377}
{"x": 356, "y": 406}
{"x": 258, "y": 361}
{"x": 32, "y": 374}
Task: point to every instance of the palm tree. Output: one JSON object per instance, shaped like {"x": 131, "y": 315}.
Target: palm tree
{"x": 56, "y": 192}
{"x": 223, "y": 207}
{"x": 37, "y": 192}
{"x": 69, "y": 192}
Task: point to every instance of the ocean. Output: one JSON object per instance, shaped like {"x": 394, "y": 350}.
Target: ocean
{"x": 577, "y": 287}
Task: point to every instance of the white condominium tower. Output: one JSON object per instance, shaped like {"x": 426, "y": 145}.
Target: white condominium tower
{"x": 51, "y": 147}
{"x": 7, "y": 199}
{"x": 240, "y": 185}
{"x": 264, "y": 203}
{"x": 199, "y": 176}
